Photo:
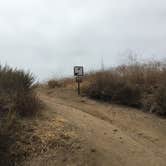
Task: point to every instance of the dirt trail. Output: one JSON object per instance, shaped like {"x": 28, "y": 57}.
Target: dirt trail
{"x": 112, "y": 135}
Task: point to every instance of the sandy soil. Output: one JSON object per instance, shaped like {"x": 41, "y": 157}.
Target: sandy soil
{"x": 98, "y": 134}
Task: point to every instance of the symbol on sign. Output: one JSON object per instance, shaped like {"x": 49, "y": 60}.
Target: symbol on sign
{"x": 78, "y": 71}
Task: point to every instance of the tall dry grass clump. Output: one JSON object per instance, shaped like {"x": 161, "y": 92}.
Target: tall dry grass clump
{"x": 17, "y": 91}
{"x": 60, "y": 83}
{"x": 138, "y": 84}
{"x": 17, "y": 98}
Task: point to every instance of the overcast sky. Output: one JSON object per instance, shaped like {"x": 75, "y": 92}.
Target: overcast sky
{"x": 49, "y": 37}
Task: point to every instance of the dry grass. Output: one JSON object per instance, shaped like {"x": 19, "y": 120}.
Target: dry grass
{"x": 140, "y": 85}
{"x": 17, "y": 99}
{"x": 59, "y": 83}
{"x": 17, "y": 91}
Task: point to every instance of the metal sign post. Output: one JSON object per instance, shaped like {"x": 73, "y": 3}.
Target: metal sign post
{"x": 78, "y": 73}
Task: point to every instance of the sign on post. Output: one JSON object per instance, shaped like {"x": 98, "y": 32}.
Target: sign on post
{"x": 78, "y": 73}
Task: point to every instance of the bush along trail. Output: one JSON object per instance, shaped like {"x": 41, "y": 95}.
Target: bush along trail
{"x": 18, "y": 99}
{"x": 139, "y": 85}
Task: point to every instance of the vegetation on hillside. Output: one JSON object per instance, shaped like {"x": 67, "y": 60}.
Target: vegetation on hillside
{"x": 137, "y": 84}
{"x": 17, "y": 99}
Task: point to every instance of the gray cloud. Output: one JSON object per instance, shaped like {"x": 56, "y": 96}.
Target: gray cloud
{"x": 50, "y": 36}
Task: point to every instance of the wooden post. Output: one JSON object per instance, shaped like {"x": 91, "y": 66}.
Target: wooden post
{"x": 78, "y": 80}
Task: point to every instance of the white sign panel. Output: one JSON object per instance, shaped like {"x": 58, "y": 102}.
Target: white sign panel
{"x": 78, "y": 71}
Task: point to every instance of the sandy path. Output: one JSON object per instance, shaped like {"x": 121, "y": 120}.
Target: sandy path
{"x": 118, "y": 136}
